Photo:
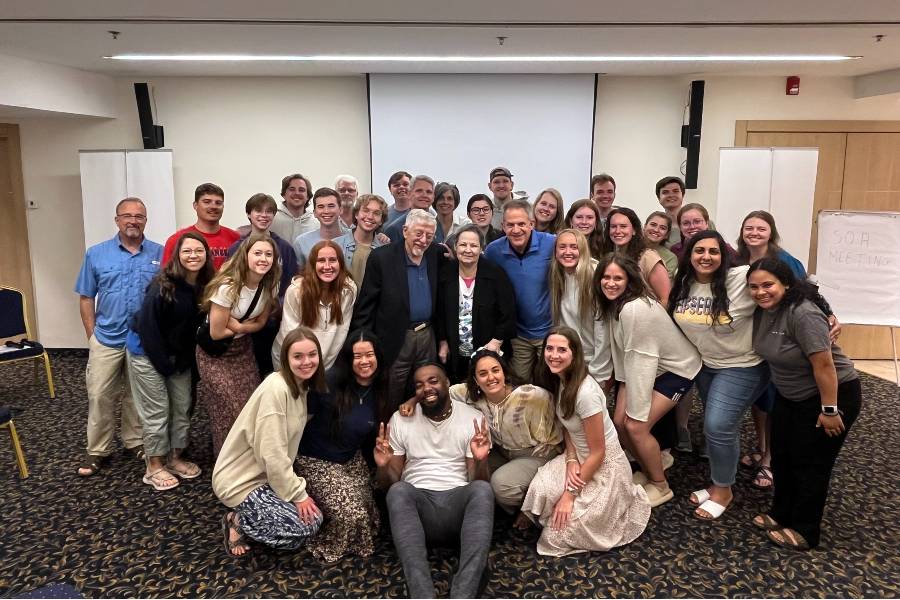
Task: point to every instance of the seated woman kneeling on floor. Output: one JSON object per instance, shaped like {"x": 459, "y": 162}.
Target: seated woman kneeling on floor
{"x": 254, "y": 473}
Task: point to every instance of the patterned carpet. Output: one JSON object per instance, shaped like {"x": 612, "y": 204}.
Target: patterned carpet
{"x": 112, "y": 536}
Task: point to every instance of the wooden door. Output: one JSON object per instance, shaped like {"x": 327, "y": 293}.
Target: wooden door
{"x": 829, "y": 174}
{"x": 15, "y": 256}
{"x": 871, "y": 182}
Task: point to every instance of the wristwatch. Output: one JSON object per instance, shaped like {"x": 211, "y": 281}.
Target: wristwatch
{"x": 573, "y": 491}
{"x": 830, "y": 410}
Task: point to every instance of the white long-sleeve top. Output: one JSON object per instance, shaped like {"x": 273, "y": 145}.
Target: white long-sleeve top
{"x": 331, "y": 336}
{"x": 593, "y": 333}
{"x": 645, "y": 344}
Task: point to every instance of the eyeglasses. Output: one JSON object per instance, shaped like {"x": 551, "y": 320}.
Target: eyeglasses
{"x": 481, "y": 211}
{"x": 138, "y": 218}
{"x": 190, "y": 252}
{"x": 695, "y": 222}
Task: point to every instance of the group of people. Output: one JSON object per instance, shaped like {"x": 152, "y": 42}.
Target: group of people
{"x": 529, "y": 356}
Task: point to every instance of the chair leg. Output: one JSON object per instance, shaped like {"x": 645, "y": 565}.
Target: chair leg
{"x": 49, "y": 375}
{"x": 17, "y": 447}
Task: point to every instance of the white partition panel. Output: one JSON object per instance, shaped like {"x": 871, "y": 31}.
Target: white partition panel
{"x": 108, "y": 176}
{"x": 457, "y": 128}
{"x": 150, "y": 179}
{"x": 858, "y": 266}
{"x": 781, "y": 181}
{"x": 103, "y": 184}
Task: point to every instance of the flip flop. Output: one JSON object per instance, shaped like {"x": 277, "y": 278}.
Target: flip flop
{"x": 699, "y": 497}
{"x": 798, "y": 543}
{"x": 764, "y": 521}
{"x": 157, "y": 477}
{"x": 712, "y": 508}
{"x": 189, "y": 471}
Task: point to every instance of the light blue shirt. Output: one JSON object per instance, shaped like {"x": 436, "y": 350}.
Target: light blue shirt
{"x": 304, "y": 243}
{"x": 118, "y": 279}
{"x": 529, "y": 277}
{"x": 348, "y": 246}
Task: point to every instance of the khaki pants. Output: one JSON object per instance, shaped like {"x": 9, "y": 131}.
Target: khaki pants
{"x": 107, "y": 381}
{"x": 526, "y": 355}
{"x": 511, "y": 474}
{"x": 163, "y": 403}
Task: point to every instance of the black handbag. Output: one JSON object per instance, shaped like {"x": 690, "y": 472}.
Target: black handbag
{"x": 215, "y": 347}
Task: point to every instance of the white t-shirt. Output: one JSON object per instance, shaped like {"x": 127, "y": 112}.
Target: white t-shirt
{"x": 243, "y": 303}
{"x": 435, "y": 452}
{"x": 589, "y": 402}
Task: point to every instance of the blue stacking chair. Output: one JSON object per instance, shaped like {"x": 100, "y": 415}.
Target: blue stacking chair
{"x": 14, "y": 324}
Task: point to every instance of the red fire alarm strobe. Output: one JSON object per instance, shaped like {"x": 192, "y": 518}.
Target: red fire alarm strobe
{"x": 793, "y": 86}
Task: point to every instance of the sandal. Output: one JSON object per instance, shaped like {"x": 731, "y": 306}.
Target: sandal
{"x": 766, "y": 522}
{"x": 92, "y": 463}
{"x": 788, "y": 538}
{"x": 137, "y": 452}
{"x": 752, "y": 459}
{"x": 228, "y": 525}
{"x": 657, "y": 495}
{"x": 763, "y": 478}
{"x": 184, "y": 469}
{"x": 699, "y": 497}
{"x": 710, "y": 507}
{"x": 161, "y": 480}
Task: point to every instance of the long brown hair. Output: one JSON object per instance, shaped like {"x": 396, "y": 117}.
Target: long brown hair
{"x": 570, "y": 379}
{"x": 317, "y": 381}
{"x": 234, "y": 273}
{"x": 557, "y": 222}
{"x": 175, "y": 271}
{"x": 314, "y": 290}
{"x": 773, "y": 247}
{"x": 635, "y": 288}
{"x": 595, "y": 240}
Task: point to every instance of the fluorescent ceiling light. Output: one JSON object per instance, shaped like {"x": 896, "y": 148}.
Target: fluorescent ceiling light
{"x": 473, "y": 59}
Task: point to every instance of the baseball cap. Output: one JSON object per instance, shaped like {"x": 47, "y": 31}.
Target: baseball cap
{"x": 500, "y": 172}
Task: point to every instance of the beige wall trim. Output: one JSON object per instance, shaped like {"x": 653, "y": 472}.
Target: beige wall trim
{"x": 794, "y": 126}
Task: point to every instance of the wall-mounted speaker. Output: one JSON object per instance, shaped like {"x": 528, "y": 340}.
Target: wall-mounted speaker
{"x": 151, "y": 133}
{"x": 690, "y": 134}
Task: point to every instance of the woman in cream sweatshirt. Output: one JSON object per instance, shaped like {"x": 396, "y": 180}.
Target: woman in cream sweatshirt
{"x": 654, "y": 364}
{"x": 254, "y": 474}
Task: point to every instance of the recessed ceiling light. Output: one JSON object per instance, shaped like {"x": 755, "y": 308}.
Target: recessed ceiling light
{"x": 475, "y": 59}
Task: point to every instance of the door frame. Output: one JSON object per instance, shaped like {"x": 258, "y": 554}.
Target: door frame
{"x": 10, "y": 132}
{"x": 742, "y": 128}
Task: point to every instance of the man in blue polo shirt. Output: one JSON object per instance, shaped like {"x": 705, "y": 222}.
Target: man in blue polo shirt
{"x": 111, "y": 287}
{"x": 525, "y": 255}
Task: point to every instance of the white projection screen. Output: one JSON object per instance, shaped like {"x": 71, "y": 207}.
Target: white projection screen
{"x": 457, "y": 128}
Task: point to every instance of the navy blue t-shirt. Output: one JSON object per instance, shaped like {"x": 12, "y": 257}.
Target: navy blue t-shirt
{"x": 319, "y": 437}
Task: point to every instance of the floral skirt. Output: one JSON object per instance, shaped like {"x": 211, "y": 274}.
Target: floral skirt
{"x": 610, "y": 511}
{"x": 343, "y": 493}
{"x": 226, "y": 383}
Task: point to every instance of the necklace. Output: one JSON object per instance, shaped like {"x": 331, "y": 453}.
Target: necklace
{"x": 441, "y": 418}
{"x": 363, "y": 395}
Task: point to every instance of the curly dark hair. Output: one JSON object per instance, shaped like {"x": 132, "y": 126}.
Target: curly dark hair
{"x": 686, "y": 276}
{"x": 796, "y": 290}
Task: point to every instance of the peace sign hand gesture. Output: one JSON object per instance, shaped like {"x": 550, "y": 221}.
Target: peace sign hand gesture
{"x": 383, "y": 450}
{"x": 481, "y": 441}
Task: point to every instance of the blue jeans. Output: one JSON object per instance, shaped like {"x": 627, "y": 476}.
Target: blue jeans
{"x": 726, "y": 395}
